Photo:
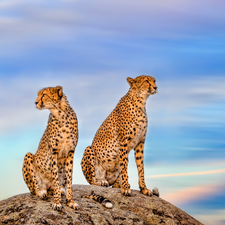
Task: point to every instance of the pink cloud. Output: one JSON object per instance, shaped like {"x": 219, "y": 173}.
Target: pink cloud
{"x": 192, "y": 193}
{"x": 190, "y": 173}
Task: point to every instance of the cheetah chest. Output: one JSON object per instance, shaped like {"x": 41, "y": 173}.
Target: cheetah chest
{"x": 65, "y": 142}
{"x": 137, "y": 133}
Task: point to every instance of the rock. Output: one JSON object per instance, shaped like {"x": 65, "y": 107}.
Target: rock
{"x": 134, "y": 209}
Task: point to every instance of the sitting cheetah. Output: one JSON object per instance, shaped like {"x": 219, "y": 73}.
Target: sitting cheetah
{"x": 51, "y": 168}
{"x": 105, "y": 161}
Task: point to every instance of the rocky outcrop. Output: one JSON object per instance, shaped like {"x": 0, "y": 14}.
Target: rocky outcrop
{"x": 135, "y": 209}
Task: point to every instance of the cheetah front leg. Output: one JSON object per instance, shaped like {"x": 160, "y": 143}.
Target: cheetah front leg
{"x": 138, "y": 151}
{"x": 56, "y": 192}
{"x": 69, "y": 174}
{"x": 125, "y": 189}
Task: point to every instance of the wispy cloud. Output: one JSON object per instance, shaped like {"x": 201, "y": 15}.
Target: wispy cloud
{"x": 22, "y": 92}
{"x": 189, "y": 173}
{"x": 216, "y": 218}
{"x": 43, "y": 21}
{"x": 18, "y": 110}
{"x": 189, "y": 92}
{"x": 141, "y": 36}
{"x": 176, "y": 99}
{"x": 192, "y": 194}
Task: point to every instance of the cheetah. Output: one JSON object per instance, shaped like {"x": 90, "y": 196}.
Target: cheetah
{"x": 50, "y": 169}
{"x": 104, "y": 163}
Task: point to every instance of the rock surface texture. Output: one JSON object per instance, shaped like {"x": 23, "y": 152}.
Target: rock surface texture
{"x": 134, "y": 209}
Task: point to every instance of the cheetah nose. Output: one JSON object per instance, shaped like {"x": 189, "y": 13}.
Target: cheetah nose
{"x": 155, "y": 88}
{"x": 36, "y": 103}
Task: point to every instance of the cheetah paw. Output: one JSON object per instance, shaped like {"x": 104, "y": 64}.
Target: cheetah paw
{"x": 72, "y": 204}
{"x": 57, "y": 207}
{"x": 104, "y": 183}
{"x": 42, "y": 194}
{"x": 125, "y": 191}
{"x": 146, "y": 191}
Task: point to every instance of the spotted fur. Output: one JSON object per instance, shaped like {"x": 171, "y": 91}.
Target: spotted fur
{"x": 51, "y": 168}
{"x": 105, "y": 161}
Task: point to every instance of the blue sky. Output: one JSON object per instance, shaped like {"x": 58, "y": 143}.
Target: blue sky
{"x": 90, "y": 49}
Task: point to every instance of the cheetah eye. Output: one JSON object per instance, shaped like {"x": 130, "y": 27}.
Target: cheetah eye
{"x": 146, "y": 81}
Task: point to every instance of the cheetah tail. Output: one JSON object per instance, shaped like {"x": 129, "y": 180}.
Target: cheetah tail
{"x": 98, "y": 198}
{"x": 155, "y": 191}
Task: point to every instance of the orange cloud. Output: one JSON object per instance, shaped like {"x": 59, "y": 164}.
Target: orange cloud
{"x": 193, "y": 193}
{"x": 189, "y": 173}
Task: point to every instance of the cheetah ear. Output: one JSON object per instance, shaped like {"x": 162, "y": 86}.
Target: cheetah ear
{"x": 130, "y": 81}
{"x": 59, "y": 91}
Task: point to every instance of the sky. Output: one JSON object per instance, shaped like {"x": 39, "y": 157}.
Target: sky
{"x": 90, "y": 48}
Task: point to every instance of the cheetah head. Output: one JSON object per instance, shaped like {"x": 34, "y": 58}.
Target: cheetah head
{"x": 49, "y": 98}
{"x": 143, "y": 85}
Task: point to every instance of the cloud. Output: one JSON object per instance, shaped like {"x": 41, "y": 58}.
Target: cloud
{"x": 174, "y": 19}
{"x": 96, "y": 95}
{"x": 39, "y": 22}
{"x": 25, "y": 25}
{"x": 217, "y": 217}
{"x": 177, "y": 100}
{"x": 188, "y": 174}
{"x": 88, "y": 94}
{"x": 189, "y": 92}
{"x": 192, "y": 194}
{"x": 141, "y": 36}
